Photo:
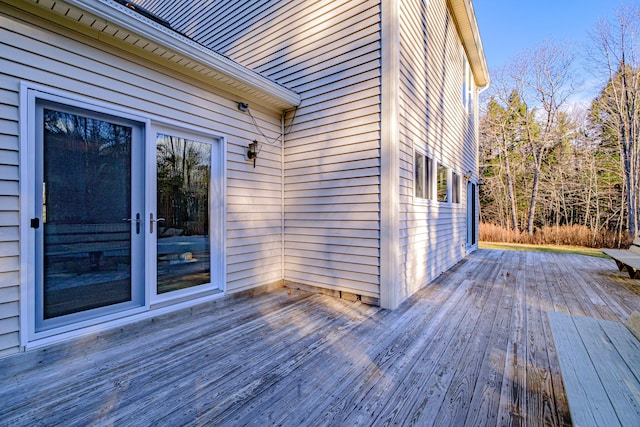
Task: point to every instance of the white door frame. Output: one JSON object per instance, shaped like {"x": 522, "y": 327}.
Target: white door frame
{"x": 217, "y": 211}
{"x": 29, "y": 94}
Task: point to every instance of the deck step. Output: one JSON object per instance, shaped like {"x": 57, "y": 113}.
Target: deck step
{"x": 600, "y": 365}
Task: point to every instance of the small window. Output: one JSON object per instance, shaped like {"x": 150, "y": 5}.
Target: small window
{"x": 429, "y": 178}
{"x": 455, "y": 188}
{"x": 443, "y": 173}
{"x": 422, "y": 175}
{"x": 467, "y": 85}
{"x": 465, "y": 88}
{"x": 419, "y": 175}
{"x": 470, "y": 108}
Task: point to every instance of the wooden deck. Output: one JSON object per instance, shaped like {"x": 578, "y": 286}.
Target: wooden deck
{"x": 473, "y": 348}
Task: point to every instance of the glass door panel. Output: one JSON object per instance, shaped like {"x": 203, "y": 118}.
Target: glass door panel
{"x": 88, "y": 221}
{"x": 183, "y": 206}
{"x": 471, "y": 214}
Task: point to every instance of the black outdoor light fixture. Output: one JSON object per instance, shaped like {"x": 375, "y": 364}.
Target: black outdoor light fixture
{"x": 253, "y": 149}
{"x": 252, "y": 152}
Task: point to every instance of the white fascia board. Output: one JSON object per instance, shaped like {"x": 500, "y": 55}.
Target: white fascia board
{"x": 465, "y": 17}
{"x": 170, "y": 39}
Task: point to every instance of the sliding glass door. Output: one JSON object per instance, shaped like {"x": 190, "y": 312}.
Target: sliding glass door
{"x": 471, "y": 214}
{"x": 88, "y": 215}
{"x": 124, "y": 214}
{"x": 183, "y": 167}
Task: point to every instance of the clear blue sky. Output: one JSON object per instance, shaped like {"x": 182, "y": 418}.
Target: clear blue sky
{"x": 511, "y": 26}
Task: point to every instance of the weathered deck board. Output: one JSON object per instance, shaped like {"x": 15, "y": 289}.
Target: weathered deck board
{"x": 457, "y": 399}
{"x": 512, "y": 403}
{"x": 539, "y": 380}
{"x": 473, "y": 348}
{"x": 549, "y": 300}
{"x": 483, "y": 409}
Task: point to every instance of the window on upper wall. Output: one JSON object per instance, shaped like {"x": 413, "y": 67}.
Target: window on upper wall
{"x": 467, "y": 85}
{"x": 423, "y": 181}
{"x": 455, "y": 188}
{"x": 442, "y": 184}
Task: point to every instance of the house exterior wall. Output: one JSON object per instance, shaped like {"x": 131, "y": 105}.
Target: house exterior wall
{"x": 310, "y": 212}
{"x": 434, "y": 121}
{"x": 329, "y": 53}
{"x": 36, "y": 49}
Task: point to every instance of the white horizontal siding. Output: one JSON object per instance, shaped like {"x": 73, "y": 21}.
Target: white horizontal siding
{"x": 432, "y": 118}
{"x": 9, "y": 219}
{"x": 35, "y": 50}
{"x": 328, "y": 52}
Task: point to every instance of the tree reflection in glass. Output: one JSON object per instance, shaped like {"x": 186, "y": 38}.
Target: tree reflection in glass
{"x": 184, "y": 171}
{"x": 86, "y": 193}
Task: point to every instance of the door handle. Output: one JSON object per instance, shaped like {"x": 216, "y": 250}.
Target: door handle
{"x": 151, "y": 221}
{"x": 137, "y": 221}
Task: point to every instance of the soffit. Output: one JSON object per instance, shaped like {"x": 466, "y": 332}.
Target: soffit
{"x": 465, "y": 18}
{"x": 115, "y": 22}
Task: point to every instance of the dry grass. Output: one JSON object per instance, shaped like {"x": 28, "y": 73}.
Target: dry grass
{"x": 568, "y": 235}
{"x": 578, "y": 250}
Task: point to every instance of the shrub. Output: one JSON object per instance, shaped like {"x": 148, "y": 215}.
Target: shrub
{"x": 570, "y": 235}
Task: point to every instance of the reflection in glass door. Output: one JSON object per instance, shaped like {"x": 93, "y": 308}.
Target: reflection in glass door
{"x": 471, "y": 214}
{"x": 86, "y": 221}
{"x": 183, "y": 206}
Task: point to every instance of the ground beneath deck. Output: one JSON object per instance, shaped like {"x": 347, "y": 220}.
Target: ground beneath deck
{"x": 472, "y": 348}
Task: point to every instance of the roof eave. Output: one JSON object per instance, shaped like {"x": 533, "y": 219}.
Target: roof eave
{"x": 243, "y": 78}
{"x": 465, "y": 18}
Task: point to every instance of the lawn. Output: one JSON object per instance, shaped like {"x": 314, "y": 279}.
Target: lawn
{"x": 544, "y": 248}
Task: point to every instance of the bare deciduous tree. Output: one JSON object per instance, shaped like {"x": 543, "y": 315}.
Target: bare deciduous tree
{"x": 546, "y": 77}
{"x": 614, "y": 54}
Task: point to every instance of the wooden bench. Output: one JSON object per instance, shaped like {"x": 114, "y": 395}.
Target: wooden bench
{"x": 629, "y": 259}
{"x": 89, "y": 242}
{"x": 600, "y": 366}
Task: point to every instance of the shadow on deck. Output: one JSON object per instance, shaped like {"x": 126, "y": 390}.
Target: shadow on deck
{"x": 472, "y": 348}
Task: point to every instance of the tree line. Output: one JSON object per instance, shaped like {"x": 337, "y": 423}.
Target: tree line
{"x": 549, "y": 163}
